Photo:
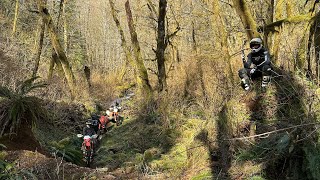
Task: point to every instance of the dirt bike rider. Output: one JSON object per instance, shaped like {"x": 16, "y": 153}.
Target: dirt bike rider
{"x": 95, "y": 122}
{"x": 258, "y": 64}
{"x": 88, "y": 131}
{"x": 104, "y": 120}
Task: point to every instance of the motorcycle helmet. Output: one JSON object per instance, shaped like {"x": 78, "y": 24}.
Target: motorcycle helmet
{"x": 255, "y": 45}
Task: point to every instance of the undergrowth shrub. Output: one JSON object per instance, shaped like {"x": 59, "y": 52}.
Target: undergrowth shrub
{"x": 18, "y": 108}
{"x": 69, "y": 149}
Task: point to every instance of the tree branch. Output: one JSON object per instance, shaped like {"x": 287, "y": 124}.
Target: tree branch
{"x": 296, "y": 19}
{"x": 167, "y": 39}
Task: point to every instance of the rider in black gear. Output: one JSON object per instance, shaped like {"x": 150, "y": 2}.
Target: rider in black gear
{"x": 258, "y": 64}
{"x": 88, "y": 130}
{"x": 95, "y": 122}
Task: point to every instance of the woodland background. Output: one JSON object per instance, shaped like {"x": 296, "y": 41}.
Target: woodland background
{"x": 189, "y": 118}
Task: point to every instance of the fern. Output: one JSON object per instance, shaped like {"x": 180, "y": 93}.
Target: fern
{"x": 274, "y": 147}
{"x": 17, "y": 107}
{"x": 68, "y": 149}
{"x": 9, "y": 172}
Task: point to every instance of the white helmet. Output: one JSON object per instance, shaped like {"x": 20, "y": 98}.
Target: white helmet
{"x": 115, "y": 110}
{"x": 255, "y": 44}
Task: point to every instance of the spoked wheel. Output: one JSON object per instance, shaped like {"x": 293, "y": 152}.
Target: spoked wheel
{"x": 88, "y": 157}
{"x": 118, "y": 121}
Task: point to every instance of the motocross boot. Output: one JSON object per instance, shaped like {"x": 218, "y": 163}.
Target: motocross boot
{"x": 245, "y": 84}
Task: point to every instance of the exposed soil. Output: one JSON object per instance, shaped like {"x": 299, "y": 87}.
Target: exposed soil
{"x": 23, "y": 140}
{"x": 51, "y": 168}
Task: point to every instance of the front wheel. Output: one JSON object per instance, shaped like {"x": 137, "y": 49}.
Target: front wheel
{"x": 88, "y": 157}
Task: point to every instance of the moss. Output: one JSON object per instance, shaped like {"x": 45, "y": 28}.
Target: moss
{"x": 178, "y": 159}
{"x": 203, "y": 175}
{"x": 256, "y": 178}
{"x": 174, "y": 161}
{"x": 3, "y": 154}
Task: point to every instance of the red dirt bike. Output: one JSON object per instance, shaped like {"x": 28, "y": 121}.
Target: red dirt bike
{"x": 103, "y": 124}
{"x": 87, "y": 147}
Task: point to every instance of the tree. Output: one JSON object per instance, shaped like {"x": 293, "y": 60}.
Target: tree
{"x": 15, "y": 20}
{"x": 142, "y": 74}
{"x": 62, "y": 58}
{"x": 223, "y": 34}
{"x": 38, "y": 46}
{"x": 161, "y": 46}
{"x": 125, "y": 47}
{"x": 247, "y": 20}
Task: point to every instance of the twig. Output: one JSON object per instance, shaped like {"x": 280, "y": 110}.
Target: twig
{"x": 219, "y": 173}
{"x": 153, "y": 71}
{"x": 308, "y": 135}
{"x": 271, "y": 132}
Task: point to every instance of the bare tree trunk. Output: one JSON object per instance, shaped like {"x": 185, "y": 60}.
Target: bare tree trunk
{"x": 223, "y": 34}
{"x": 310, "y": 39}
{"x": 65, "y": 27}
{"x": 194, "y": 41}
{"x": 126, "y": 49}
{"x": 15, "y": 20}
{"x": 38, "y": 48}
{"x": 152, "y": 8}
{"x": 248, "y": 22}
{"x": 58, "y": 48}
{"x": 161, "y": 46}
{"x": 142, "y": 74}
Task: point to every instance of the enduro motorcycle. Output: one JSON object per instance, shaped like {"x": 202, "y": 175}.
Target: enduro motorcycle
{"x": 87, "y": 147}
{"x": 103, "y": 124}
{"x": 116, "y": 116}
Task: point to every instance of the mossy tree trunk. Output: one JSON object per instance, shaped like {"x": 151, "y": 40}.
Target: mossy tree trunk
{"x": 125, "y": 47}
{"x": 54, "y": 61}
{"x": 316, "y": 41}
{"x": 161, "y": 46}
{"x": 58, "y": 48}
{"x": 276, "y": 43}
{"x": 246, "y": 17}
{"x": 38, "y": 46}
{"x": 267, "y": 38}
{"x": 142, "y": 74}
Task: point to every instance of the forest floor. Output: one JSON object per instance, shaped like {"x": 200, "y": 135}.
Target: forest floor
{"x": 44, "y": 167}
{"x": 197, "y": 149}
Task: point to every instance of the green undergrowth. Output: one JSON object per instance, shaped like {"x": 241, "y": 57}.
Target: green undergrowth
{"x": 287, "y": 112}
{"x": 149, "y": 149}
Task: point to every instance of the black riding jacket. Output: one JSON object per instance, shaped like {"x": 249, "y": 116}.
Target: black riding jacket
{"x": 259, "y": 59}
{"x": 88, "y": 131}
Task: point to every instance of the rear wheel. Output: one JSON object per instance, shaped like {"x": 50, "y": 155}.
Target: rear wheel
{"x": 119, "y": 121}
